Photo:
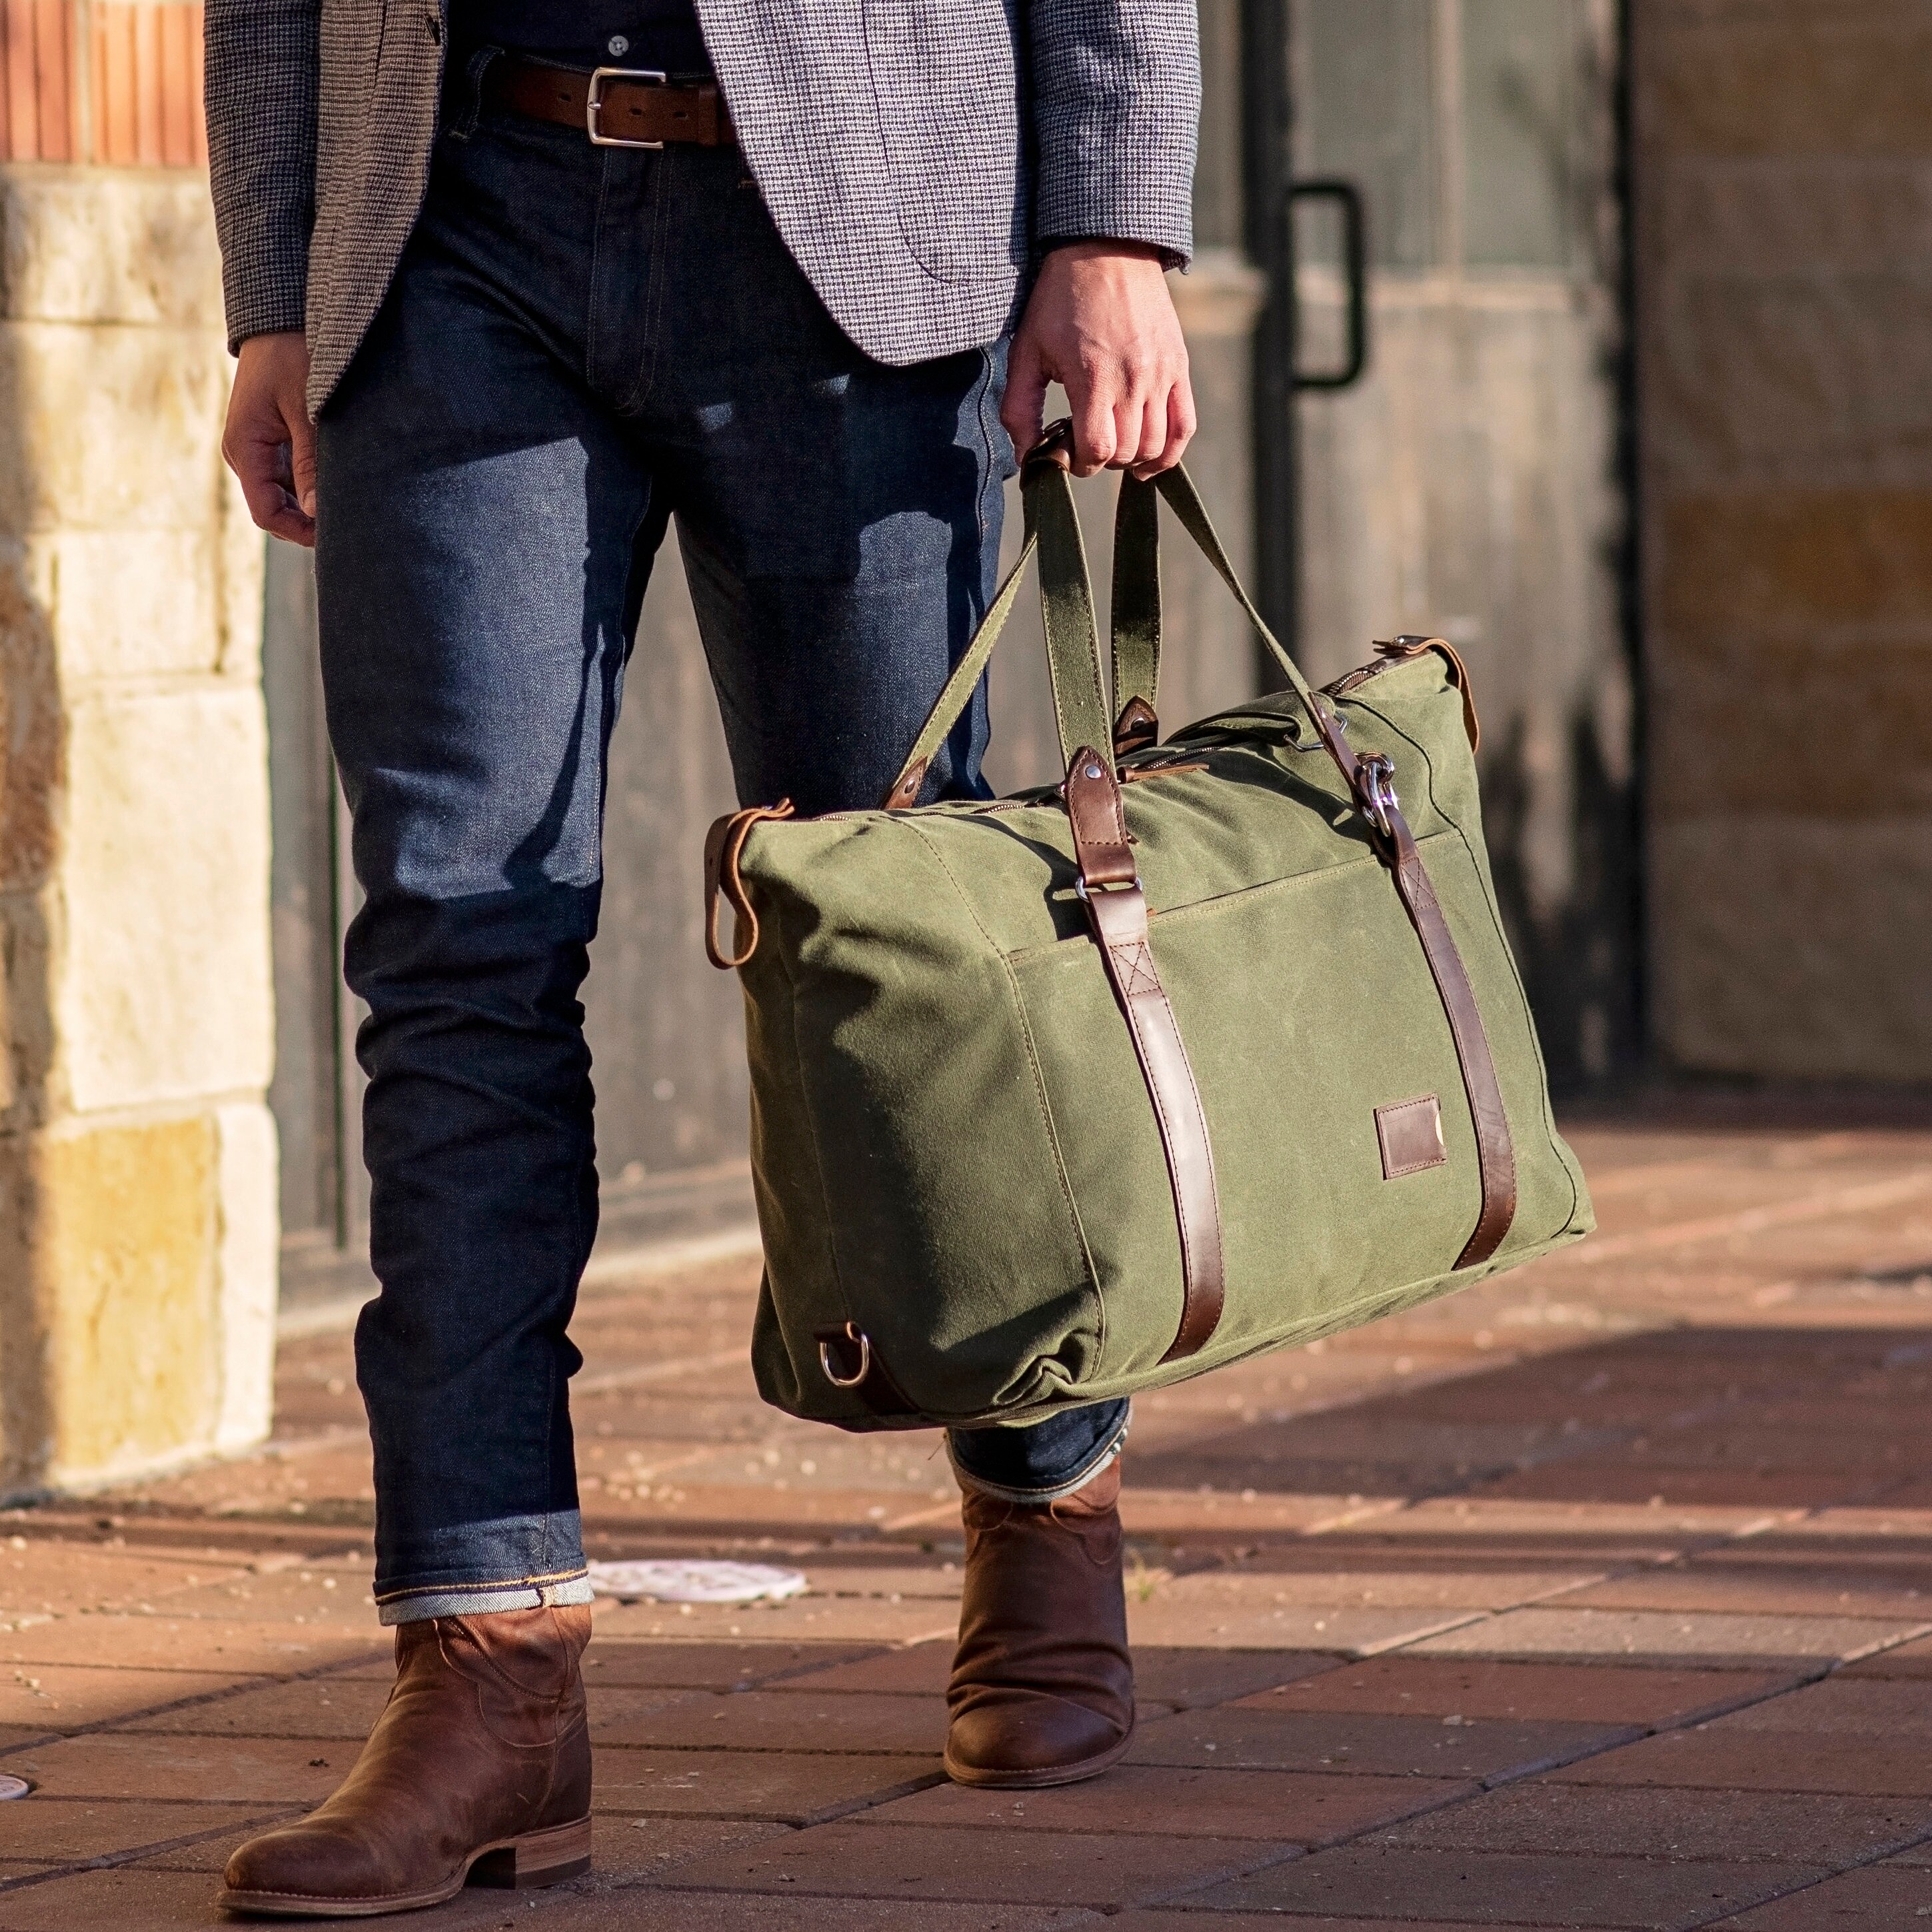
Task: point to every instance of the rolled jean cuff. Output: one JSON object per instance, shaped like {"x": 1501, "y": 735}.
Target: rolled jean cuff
{"x": 466, "y": 1569}
{"x": 411, "y": 1607}
{"x": 1039, "y": 1479}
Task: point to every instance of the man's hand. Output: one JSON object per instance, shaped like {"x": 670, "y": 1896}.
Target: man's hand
{"x": 1101, "y": 323}
{"x": 269, "y": 441}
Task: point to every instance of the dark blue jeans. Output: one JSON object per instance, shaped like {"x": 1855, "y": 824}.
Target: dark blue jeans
{"x": 579, "y": 343}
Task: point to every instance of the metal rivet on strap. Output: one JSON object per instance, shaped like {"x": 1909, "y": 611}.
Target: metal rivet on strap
{"x": 1093, "y": 771}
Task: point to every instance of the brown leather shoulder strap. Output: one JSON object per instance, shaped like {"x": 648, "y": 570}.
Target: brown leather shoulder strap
{"x": 1117, "y": 908}
{"x": 1495, "y": 1152}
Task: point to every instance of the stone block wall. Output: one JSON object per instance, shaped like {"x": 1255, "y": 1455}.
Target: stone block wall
{"x": 1782, "y": 170}
{"x": 137, "y": 1155}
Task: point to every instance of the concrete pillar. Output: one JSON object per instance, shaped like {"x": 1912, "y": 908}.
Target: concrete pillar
{"x": 138, "y": 1226}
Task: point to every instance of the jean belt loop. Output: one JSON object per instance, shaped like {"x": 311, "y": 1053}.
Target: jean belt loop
{"x": 468, "y": 106}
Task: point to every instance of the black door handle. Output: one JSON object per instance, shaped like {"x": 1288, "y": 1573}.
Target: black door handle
{"x": 1348, "y": 197}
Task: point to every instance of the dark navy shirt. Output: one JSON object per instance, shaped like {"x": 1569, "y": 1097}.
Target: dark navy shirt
{"x": 661, "y": 33}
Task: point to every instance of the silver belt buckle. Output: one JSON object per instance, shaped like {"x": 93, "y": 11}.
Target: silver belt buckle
{"x": 593, "y": 103}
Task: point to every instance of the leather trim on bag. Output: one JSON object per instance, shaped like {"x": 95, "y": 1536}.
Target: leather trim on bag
{"x": 1055, "y": 446}
{"x": 906, "y": 788}
{"x": 1172, "y": 768}
{"x": 1400, "y": 650}
{"x": 1117, "y": 908}
{"x": 1100, "y": 838}
{"x": 1135, "y": 729}
{"x": 1370, "y": 780}
{"x": 1411, "y": 646}
{"x": 723, "y": 846}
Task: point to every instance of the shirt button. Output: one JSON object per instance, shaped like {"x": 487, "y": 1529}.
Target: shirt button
{"x": 615, "y": 46}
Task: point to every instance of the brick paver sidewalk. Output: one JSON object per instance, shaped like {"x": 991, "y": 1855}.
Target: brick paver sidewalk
{"x": 1599, "y": 1596}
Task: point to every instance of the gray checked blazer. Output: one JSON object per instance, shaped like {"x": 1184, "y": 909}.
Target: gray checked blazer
{"x": 911, "y": 151}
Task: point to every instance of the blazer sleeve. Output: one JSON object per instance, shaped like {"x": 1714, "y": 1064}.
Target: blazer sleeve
{"x": 261, "y": 80}
{"x": 1116, "y": 114}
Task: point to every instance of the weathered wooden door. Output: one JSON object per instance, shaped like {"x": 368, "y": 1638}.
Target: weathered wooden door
{"x": 1470, "y": 483}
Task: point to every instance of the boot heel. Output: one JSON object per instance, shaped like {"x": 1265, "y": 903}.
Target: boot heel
{"x": 538, "y": 1858}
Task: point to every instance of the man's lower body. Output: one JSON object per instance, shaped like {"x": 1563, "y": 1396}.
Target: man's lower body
{"x": 579, "y": 343}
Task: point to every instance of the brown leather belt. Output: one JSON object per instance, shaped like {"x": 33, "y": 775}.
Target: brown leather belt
{"x": 615, "y": 107}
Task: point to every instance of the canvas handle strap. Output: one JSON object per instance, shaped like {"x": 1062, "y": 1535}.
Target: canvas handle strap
{"x": 1184, "y": 500}
{"x": 1080, "y": 704}
{"x": 1136, "y": 616}
{"x": 1067, "y": 612}
{"x": 957, "y": 691}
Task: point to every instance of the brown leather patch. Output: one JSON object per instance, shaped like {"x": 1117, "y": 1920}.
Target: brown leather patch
{"x": 1411, "y": 1133}
{"x": 1135, "y": 728}
{"x": 1101, "y": 844}
{"x": 904, "y": 794}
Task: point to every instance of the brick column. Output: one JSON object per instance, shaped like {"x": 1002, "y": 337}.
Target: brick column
{"x": 137, "y": 1156}
{"x": 1782, "y": 171}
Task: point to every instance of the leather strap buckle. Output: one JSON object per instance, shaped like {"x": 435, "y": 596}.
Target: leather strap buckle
{"x": 593, "y": 103}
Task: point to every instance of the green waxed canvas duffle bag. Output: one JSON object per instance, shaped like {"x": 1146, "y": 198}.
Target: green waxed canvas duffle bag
{"x": 1216, "y": 1048}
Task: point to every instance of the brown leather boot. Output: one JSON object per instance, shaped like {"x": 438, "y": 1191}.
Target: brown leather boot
{"x": 1042, "y": 1689}
{"x": 478, "y": 1767}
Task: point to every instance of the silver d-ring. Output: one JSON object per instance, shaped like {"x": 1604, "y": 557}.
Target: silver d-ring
{"x": 832, "y": 1376}
{"x": 1378, "y": 801}
{"x": 1083, "y": 891}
